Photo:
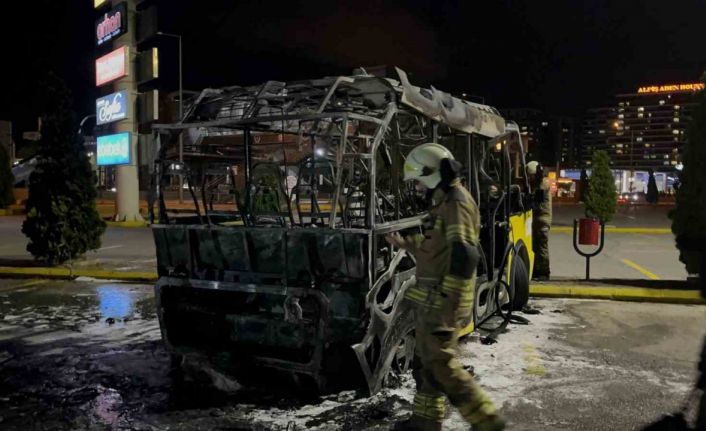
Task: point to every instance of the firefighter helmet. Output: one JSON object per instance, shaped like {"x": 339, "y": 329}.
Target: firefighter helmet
{"x": 532, "y": 167}
{"x": 423, "y": 164}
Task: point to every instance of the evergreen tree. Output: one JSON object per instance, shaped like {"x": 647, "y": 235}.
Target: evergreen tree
{"x": 688, "y": 217}
{"x": 62, "y": 220}
{"x": 652, "y": 191}
{"x": 7, "y": 180}
{"x": 600, "y": 200}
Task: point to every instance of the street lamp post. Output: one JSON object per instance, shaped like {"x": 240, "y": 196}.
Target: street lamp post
{"x": 181, "y": 117}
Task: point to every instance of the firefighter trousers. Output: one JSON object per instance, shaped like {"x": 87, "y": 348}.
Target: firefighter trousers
{"x": 439, "y": 374}
{"x": 540, "y": 239}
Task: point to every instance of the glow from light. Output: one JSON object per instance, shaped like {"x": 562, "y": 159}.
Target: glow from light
{"x": 319, "y": 152}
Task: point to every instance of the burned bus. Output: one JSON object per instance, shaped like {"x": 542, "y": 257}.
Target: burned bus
{"x": 279, "y": 261}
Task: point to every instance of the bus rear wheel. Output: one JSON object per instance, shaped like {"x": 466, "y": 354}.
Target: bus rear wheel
{"x": 520, "y": 283}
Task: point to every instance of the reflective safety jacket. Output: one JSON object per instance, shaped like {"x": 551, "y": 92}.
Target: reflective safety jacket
{"x": 543, "y": 212}
{"x": 446, "y": 267}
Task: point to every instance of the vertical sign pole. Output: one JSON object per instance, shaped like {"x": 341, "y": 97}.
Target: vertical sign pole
{"x": 127, "y": 184}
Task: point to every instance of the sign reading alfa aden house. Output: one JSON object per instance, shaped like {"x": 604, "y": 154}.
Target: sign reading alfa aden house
{"x": 111, "y": 108}
{"x": 112, "y": 24}
{"x": 112, "y": 66}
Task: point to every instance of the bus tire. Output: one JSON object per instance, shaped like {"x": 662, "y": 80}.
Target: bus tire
{"x": 520, "y": 283}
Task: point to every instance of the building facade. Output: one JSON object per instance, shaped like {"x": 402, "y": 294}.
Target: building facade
{"x": 642, "y": 130}
{"x": 551, "y": 140}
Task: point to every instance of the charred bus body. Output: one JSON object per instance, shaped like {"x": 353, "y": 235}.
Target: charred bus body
{"x": 281, "y": 263}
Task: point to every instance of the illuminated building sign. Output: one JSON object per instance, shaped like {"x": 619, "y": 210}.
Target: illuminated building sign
{"x": 112, "y": 66}
{"x": 113, "y": 149}
{"x": 696, "y": 86}
{"x": 112, "y": 24}
{"x": 98, "y": 3}
{"x": 112, "y": 107}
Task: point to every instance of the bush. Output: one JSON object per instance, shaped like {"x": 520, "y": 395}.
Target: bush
{"x": 62, "y": 220}
{"x": 7, "y": 180}
{"x": 688, "y": 221}
{"x": 600, "y": 200}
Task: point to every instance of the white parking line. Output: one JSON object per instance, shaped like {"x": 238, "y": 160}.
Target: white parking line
{"x": 110, "y": 247}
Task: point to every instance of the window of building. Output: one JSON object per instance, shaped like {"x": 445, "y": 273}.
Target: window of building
{"x": 621, "y": 116}
{"x": 674, "y": 162}
{"x": 647, "y": 145}
{"x": 661, "y": 102}
{"x": 676, "y": 119}
{"x": 619, "y": 145}
{"x": 602, "y": 132}
{"x": 666, "y": 163}
{"x": 638, "y": 139}
{"x": 544, "y": 124}
{"x": 640, "y": 109}
{"x": 666, "y": 156}
{"x": 640, "y": 115}
{"x": 675, "y": 131}
{"x": 618, "y": 151}
{"x": 676, "y": 107}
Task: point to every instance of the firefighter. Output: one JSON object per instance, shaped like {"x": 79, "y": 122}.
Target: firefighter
{"x": 447, "y": 257}
{"x": 541, "y": 220}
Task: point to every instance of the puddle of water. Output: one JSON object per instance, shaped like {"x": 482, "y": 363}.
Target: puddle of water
{"x": 115, "y": 301}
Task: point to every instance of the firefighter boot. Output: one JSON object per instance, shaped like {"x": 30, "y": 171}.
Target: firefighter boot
{"x": 416, "y": 423}
{"x": 492, "y": 423}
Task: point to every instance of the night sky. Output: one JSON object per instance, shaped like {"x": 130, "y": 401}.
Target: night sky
{"x": 559, "y": 56}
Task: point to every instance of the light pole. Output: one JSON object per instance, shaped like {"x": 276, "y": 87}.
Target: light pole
{"x": 181, "y": 115}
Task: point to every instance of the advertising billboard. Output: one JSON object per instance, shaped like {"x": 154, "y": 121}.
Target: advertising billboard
{"x": 112, "y": 24}
{"x": 113, "y": 149}
{"x": 112, "y": 66}
{"x": 112, "y": 107}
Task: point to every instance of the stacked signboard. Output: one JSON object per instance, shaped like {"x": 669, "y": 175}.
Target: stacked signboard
{"x": 112, "y": 149}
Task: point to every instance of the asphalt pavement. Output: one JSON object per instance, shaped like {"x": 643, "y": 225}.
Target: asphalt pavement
{"x": 88, "y": 355}
{"x": 644, "y": 256}
{"x": 626, "y": 216}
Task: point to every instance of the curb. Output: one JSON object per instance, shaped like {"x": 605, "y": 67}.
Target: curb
{"x": 616, "y": 293}
{"x": 128, "y": 224}
{"x": 643, "y": 230}
{"x": 66, "y": 273}
{"x": 639, "y": 294}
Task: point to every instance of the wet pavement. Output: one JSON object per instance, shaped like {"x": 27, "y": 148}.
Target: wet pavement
{"x": 87, "y": 355}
